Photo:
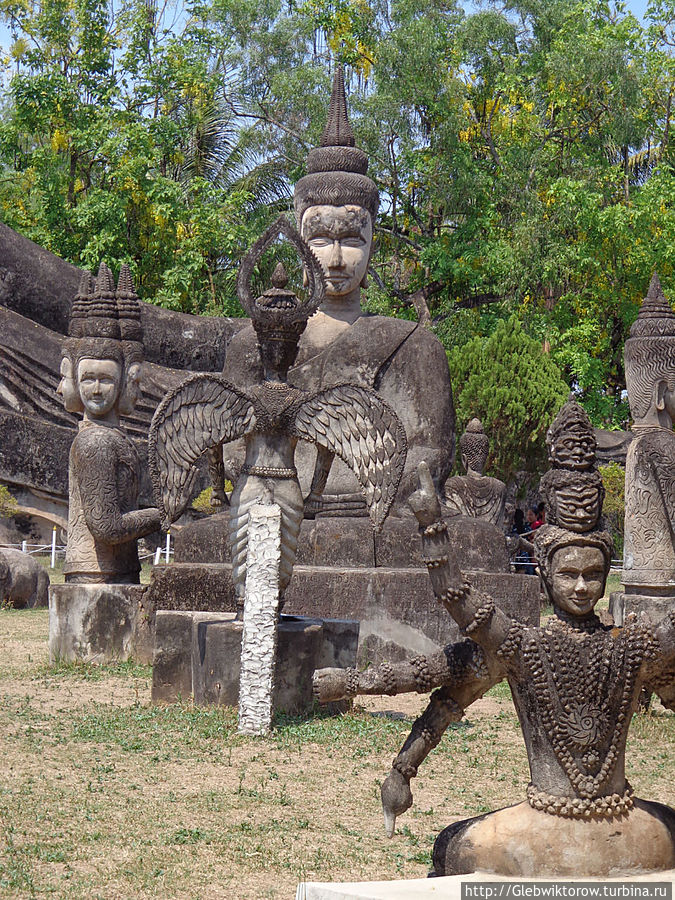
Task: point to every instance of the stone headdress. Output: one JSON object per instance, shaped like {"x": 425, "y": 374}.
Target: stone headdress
{"x": 336, "y": 170}
{"x": 571, "y": 452}
{"x": 278, "y": 315}
{"x": 573, "y": 475}
{"x": 649, "y": 352}
{"x": 474, "y": 445}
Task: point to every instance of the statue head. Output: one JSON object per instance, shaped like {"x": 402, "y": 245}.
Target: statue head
{"x": 573, "y": 567}
{"x": 279, "y": 316}
{"x": 103, "y": 355}
{"x": 573, "y": 550}
{"x": 649, "y": 359}
{"x": 336, "y": 203}
{"x": 474, "y": 447}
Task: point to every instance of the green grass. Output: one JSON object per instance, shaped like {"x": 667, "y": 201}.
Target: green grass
{"x": 104, "y": 796}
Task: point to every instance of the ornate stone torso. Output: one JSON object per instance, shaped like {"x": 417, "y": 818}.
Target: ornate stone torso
{"x": 575, "y": 686}
{"x": 649, "y": 540}
{"x": 478, "y": 497}
{"x": 117, "y": 477}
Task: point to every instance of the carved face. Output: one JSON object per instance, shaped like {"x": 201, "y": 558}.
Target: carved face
{"x": 67, "y": 387}
{"x": 573, "y": 450}
{"x": 341, "y": 239}
{"x": 577, "y": 508}
{"x": 132, "y": 389}
{"x": 577, "y": 579}
{"x": 99, "y": 385}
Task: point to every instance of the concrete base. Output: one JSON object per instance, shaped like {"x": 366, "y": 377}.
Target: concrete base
{"x": 447, "y": 888}
{"x": 197, "y": 655}
{"x": 100, "y": 623}
{"x": 396, "y": 608}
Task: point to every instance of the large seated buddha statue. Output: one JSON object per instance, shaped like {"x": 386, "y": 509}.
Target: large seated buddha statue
{"x": 335, "y": 205}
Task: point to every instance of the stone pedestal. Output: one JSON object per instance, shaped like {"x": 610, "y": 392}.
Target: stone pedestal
{"x": 398, "y": 613}
{"x": 101, "y": 622}
{"x": 197, "y": 655}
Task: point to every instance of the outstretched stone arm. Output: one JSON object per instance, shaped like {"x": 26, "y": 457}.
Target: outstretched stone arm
{"x": 474, "y": 612}
{"x": 659, "y": 676}
{"x": 456, "y": 665}
{"x": 98, "y": 493}
{"x": 446, "y": 706}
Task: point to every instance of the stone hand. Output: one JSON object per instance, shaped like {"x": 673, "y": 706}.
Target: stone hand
{"x": 424, "y": 502}
{"x": 329, "y": 684}
{"x": 396, "y": 798}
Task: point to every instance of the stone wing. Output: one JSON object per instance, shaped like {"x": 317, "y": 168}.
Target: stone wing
{"x": 202, "y": 412}
{"x": 356, "y": 425}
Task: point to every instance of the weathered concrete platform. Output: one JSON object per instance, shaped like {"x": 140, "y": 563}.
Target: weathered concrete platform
{"x": 197, "y": 656}
{"x": 101, "y": 623}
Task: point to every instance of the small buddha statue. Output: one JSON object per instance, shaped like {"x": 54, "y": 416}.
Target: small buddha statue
{"x": 100, "y": 377}
{"x": 474, "y": 494}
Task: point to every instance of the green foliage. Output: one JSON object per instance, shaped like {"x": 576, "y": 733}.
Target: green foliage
{"x": 523, "y": 153}
{"x": 202, "y": 502}
{"x": 514, "y": 388}
{"x": 614, "y": 480}
{"x": 8, "y": 504}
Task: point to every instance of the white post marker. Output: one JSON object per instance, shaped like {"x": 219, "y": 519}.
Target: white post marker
{"x": 24, "y": 546}
{"x": 158, "y": 556}
{"x": 168, "y": 547}
{"x": 54, "y": 547}
{"x": 261, "y": 608}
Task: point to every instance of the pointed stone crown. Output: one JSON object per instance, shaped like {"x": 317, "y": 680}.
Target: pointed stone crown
{"x": 570, "y": 439}
{"x": 94, "y": 311}
{"x": 128, "y": 307}
{"x": 336, "y": 170}
{"x": 656, "y": 317}
{"x": 102, "y": 311}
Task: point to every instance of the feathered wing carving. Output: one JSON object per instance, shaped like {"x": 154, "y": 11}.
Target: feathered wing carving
{"x": 203, "y": 411}
{"x": 360, "y": 428}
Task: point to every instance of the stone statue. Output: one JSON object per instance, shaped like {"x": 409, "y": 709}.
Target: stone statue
{"x": 346, "y": 420}
{"x": 575, "y": 684}
{"x": 100, "y": 375}
{"x": 572, "y": 488}
{"x": 474, "y": 494}
{"x": 649, "y": 536}
{"x": 335, "y": 206}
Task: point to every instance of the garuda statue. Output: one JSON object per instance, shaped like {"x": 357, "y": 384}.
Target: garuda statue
{"x": 206, "y": 411}
{"x": 575, "y": 684}
{"x": 100, "y": 376}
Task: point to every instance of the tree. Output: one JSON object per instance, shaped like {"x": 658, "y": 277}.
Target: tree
{"x": 508, "y": 382}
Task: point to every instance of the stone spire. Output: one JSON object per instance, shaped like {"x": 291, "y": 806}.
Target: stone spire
{"x": 656, "y": 317}
{"x": 338, "y": 132}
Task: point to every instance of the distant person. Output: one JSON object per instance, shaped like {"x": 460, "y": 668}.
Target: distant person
{"x": 522, "y": 560}
{"x": 541, "y": 512}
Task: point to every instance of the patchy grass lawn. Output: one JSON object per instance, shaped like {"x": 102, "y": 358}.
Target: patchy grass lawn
{"x": 105, "y": 796}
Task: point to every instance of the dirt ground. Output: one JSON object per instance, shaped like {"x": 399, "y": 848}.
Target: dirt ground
{"x": 104, "y": 796}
